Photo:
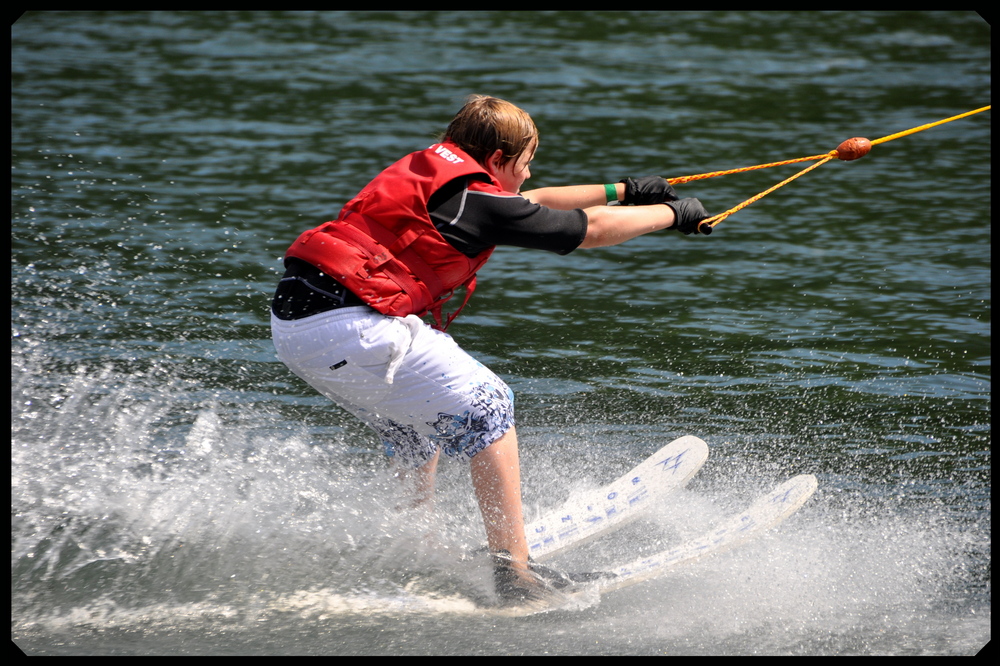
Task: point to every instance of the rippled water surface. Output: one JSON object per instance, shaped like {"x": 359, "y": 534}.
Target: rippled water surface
{"x": 175, "y": 490}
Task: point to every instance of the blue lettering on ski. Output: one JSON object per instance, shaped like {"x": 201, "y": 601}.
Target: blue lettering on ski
{"x": 573, "y": 530}
{"x": 638, "y": 496}
{"x": 782, "y": 498}
{"x": 673, "y": 462}
{"x": 544, "y": 542}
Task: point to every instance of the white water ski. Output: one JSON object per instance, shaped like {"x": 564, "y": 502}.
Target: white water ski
{"x": 763, "y": 514}
{"x": 583, "y": 519}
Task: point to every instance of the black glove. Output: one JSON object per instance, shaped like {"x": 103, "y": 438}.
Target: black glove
{"x": 690, "y": 213}
{"x": 647, "y": 190}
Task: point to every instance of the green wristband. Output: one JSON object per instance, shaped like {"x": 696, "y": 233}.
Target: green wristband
{"x": 611, "y": 192}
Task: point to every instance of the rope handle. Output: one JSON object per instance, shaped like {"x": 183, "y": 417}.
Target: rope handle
{"x": 849, "y": 150}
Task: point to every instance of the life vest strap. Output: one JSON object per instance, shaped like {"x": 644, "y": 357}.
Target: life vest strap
{"x": 470, "y": 286}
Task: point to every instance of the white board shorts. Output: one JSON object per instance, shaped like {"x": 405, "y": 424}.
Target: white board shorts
{"x": 409, "y": 382}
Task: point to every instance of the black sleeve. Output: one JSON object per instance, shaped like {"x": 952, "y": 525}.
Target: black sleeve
{"x": 472, "y": 221}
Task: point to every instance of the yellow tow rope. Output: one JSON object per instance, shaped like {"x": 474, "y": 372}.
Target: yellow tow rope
{"x": 851, "y": 149}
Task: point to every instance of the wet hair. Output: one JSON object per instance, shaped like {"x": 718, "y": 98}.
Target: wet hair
{"x": 486, "y": 124}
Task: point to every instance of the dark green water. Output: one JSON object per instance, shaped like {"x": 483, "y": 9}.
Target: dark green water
{"x": 175, "y": 490}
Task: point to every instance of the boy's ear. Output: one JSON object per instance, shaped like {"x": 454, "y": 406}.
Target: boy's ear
{"x": 493, "y": 161}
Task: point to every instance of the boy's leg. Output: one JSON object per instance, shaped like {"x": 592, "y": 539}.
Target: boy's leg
{"x": 420, "y": 481}
{"x": 496, "y": 478}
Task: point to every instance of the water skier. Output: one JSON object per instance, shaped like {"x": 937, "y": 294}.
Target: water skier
{"x": 346, "y": 316}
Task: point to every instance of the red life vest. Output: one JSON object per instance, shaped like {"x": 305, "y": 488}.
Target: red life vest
{"x": 384, "y": 247}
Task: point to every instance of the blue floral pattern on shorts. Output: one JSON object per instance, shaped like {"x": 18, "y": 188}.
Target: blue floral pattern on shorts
{"x": 466, "y": 434}
{"x": 492, "y": 415}
{"x": 405, "y": 443}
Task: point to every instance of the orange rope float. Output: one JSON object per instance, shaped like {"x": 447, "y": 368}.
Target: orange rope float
{"x": 849, "y": 150}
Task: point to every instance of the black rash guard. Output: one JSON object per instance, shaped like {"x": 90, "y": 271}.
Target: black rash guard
{"x": 473, "y": 221}
{"x": 470, "y": 220}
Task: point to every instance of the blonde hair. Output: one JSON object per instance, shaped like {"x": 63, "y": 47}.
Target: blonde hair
{"x": 486, "y": 124}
